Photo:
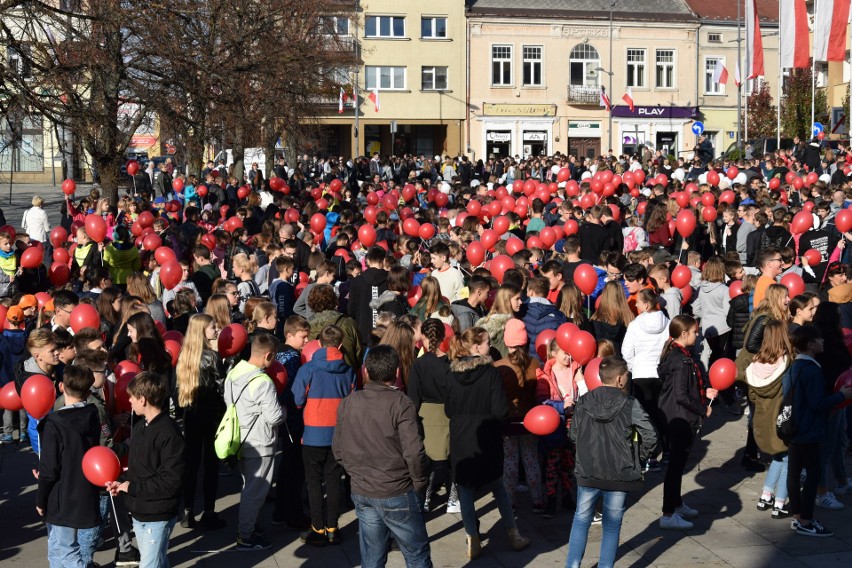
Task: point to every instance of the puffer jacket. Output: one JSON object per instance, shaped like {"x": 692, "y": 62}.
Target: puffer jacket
{"x": 608, "y": 454}
{"x": 739, "y": 313}
{"x": 643, "y": 343}
{"x": 765, "y": 391}
{"x": 495, "y": 325}
{"x": 541, "y": 315}
{"x": 320, "y": 385}
{"x": 754, "y": 338}
{"x": 711, "y": 307}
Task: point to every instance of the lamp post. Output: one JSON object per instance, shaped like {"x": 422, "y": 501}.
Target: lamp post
{"x": 610, "y": 73}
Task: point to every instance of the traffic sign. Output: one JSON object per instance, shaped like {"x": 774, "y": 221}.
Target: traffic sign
{"x": 697, "y": 128}
{"x": 818, "y": 127}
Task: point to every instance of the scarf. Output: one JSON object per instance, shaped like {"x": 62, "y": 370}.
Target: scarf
{"x": 701, "y": 383}
{"x": 9, "y": 254}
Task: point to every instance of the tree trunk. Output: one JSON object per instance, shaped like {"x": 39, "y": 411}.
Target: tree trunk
{"x": 109, "y": 167}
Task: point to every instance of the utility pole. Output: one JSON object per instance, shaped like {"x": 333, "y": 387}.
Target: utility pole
{"x": 739, "y": 87}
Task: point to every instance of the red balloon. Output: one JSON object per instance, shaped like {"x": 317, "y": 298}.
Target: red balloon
{"x": 713, "y": 178}
{"x": 798, "y": 183}
{"x": 152, "y": 241}
{"x": 232, "y": 340}
{"x": 335, "y": 185}
{"x": 732, "y": 172}
{"x": 685, "y": 223}
{"x": 448, "y": 335}
{"x": 309, "y": 349}
{"x": 145, "y": 219}
{"x": 723, "y": 373}
{"x": 171, "y": 273}
{"x": 173, "y": 335}
{"x": 58, "y": 236}
{"x": 586, "y": 278}
{"x": 83, "y": 316}
{"x": 571, "y": 227}
{"x": 802, "y": 223}
{"x": 160, "y": 327}
{"x": 808, "y": 206}
{"x": 814, "y": 257}
{"x": 209, "y": 241}
{"x": 411, "y": 227}
{"x": 318, "y": 222}
{"x": 535, "y": 242}
{"x": 427, "y": 231}
{"x": 501, "y": 225}
{"x": 475, "y": 253}
{"x": 794, "y": 283}
{"x": 844, "y": 380}
{"x": 843, "y": 220}
{"x": 278, "y": 373}
{"x": 582, "y": 347}
{"x": 96, "y": 227}
{"x": 811, "y": 179}
{"x": 735, "y": 289}
{"x": 682, "y": 198}
{"x": 499, "y": 265}
{"x": 127, "y": 367}
{"x": 474, "y": 208}
{"x": 173, "y": 347}
{"x": 542, "y": 342}
{"x": 9, "y": 398}
{"x": 564, "y": 333}
{"x": 101, "y": 466}
{"x": 681, "y": 276}
{"x": 774, "y": 183}
{"x": 686, "y": 295}
{"x": 69, "y": 187}
{"x": 32, "y": 257}
{"x": 489, "y": 238}
{"x": 709, "y": 213}
{"x": 564, "y": 174}
{"x": 513, "y": 245}
{"x": 177, "y": 184}
{"x": 58, "y": 273}
{"x": 122, "y": 398}
{"x": 38, "y": 395}
{"x": 42, "y": 298}
{"x": 367, "y": 235}
{"x": 165, "y": 255}
{"x": 292, "y": 215}
{"x": 132, "y": 167}
{"x": 542, "y": 420}
{"x": 548, "y": 237}
{"x": 727, "y": 196}
{"x": 201, "y": 190}
{"x": 592, "y": 373}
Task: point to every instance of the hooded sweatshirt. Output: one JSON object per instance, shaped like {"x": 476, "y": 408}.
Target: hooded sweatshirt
{"x": 320, "y": 385}
{"x": 363, "y": 290}
{"x": 643, "y": 343}
{"x": 711, "y": 307}
{"x": 765, "y": 391}
{"x": 258, "y": 409}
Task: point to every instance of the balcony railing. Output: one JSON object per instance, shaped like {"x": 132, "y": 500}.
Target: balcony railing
{"x": 584, "y": 95}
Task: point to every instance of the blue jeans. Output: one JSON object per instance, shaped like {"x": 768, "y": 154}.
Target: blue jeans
{"x": 467, "y": 503}
{"x": 152, "y": 538}
{"x": 63, "y": 549}
{"x": 88, "y": 538}
{"x": 399, "y": 516}
{"x": 613, "y": 512}
{"x": 776, "y": 479}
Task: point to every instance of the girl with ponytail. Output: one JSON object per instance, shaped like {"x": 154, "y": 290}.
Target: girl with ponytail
{"x": 684, "y": 406}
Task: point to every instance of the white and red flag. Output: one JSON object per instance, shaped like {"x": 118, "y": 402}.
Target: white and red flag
{"x": 374, "y": 96}
{"x": 628, "y": 98}
{"x": 720, "y": 73}
{"x": 830, "y": 21}
{"x": 605, "y": 100}
{"x": 343, "y": 98}
{"x": 737, "y": 77}
{"x": 754, "y": 43}
{"x": 794, "y": 34}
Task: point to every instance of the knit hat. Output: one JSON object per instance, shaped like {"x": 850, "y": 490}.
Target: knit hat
{"x": 28, "y": 301}
{"x": 515, "y": 334}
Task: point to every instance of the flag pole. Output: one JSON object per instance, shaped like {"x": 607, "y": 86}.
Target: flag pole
{"x": 747, "y": 72}
{"x": 780, "y": 83}
{"x": 813, "y": 71}
{"x": 739, "y": 87}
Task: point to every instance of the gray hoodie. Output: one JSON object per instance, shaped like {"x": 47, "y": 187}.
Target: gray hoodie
{"x": 711, "y": 307}
{"x": 258, "y": 409}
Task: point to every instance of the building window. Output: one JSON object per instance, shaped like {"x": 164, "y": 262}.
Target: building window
{"x": 433, "y": 79}
{"x": 665, "y": 68}
{"x": 385, "y": 26}
{"x": 19, "y": 61}
{"x": 714, "y": 38}
{"x": 433, "y": 27}
{"x": 636, "y": 68}
{"x": 532, "y": 65}
{"x": 22, "y": 144}
{"x": 334, "y": 25}
{"x": 501, "y": 65}
{"x": 385, "y": 78}
{"x": 583, "y": 63}
{"x": 711, "y": 87}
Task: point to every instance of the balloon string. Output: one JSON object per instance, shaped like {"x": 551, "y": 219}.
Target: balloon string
{"x": 114, "y": 512}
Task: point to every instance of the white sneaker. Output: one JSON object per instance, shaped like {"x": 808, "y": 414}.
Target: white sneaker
{"x": 675, "y": 523}
{"x": 845, "y": 489}
{"x": 453, "y": 507}
{"x": 597, "y": 519}
{"x": 829, "y": 501}
{"x": 686, "y": 511}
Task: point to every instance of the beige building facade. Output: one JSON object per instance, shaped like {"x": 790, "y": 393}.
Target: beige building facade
{"x": 536, "y": 75}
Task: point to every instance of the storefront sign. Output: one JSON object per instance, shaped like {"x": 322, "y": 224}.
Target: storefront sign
{"x": 498, "y": 136}
{"x": 584, "y": 128}
{"x": 535, "y": 136}
{"x": 651, "y": 112}
{"x": 490, "y": 109}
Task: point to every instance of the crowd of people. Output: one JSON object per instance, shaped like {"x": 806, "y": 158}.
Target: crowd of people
{"x": 401, "y": 318}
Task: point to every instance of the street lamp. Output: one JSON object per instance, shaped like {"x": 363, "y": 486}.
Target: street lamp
{"x": 610, "y": 73}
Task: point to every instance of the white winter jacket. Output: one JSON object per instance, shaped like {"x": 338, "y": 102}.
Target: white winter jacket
{"x": 35, "y": 224}
{"x": 643, "y": 343}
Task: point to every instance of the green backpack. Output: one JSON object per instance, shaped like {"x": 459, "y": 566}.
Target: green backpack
{"x": 229, "y": 440}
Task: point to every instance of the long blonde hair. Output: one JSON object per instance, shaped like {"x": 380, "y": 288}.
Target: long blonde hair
{"x": 189, "y": 361}
{"x": 463, "y": 345}
{"x": 139, "y": 286}
{"x": 219, "y": 307}
{"x": 503, "y": 301}
{"x": 400, "y": 336}
{"x": 259, "y": 312}
{"x": 773, "y": 304}
{"x": 613, "y": 308}
{"x": 431, "y": 297}
{"x": 244, "y": 262}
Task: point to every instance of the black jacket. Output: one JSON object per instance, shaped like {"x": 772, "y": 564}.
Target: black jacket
{"x": 428, "y": 380}
{"x": 155, "y": 469}
{"x": 607, "y": 455}
{"x": 593, "y": 240}
{"x": 755, "y": 335}
{"x": 67, "y": 497}
{"x": 364, "y": 289}
{"x": 680, "y": 397}
{"x": 738, "y": 316}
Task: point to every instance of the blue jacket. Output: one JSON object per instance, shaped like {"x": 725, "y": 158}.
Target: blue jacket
{"x": 320, "y": 385}
{"x": 13, "y": 344}
{"x": 811, "y": 406}
{"x": 541, "y": 315}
